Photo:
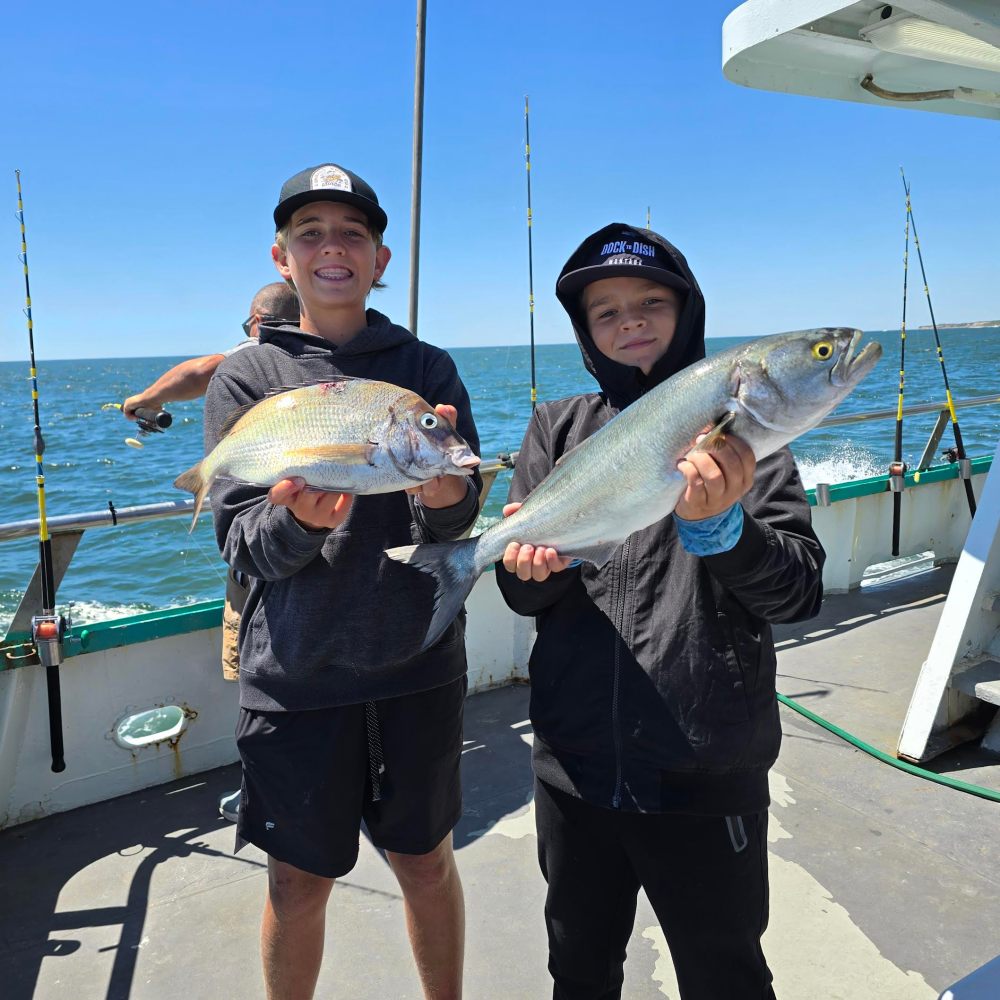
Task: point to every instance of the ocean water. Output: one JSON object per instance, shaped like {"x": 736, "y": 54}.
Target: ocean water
{"x": 142, "y": 567}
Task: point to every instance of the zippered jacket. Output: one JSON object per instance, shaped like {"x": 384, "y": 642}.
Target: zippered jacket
{"x": 329, "y": 619}
{"x": 653, "y": 677}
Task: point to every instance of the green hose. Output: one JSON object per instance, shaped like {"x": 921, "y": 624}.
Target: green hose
{"x": 962, "y": 786}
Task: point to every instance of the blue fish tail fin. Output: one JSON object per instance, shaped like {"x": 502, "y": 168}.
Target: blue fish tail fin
{"x": 453, "y": 566}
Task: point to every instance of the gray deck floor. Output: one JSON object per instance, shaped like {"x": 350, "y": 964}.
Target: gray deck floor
{"x": 883, "y": 885}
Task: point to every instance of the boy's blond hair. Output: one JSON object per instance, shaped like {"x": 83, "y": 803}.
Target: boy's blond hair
{"x": 281, "y": 241}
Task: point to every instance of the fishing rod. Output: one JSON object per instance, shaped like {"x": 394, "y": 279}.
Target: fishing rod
{"x": 964, "y": 466}
{"x": 148, "y": 420}
{"x": 47, "y": 629}
{"x": 897, "y": 468}
{"x": 531, "y": 277}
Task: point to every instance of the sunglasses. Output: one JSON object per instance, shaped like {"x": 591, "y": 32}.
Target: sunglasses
{"x": 265, "y": 318}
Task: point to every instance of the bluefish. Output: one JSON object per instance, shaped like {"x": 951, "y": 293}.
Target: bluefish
{"x": 625, "y": 476}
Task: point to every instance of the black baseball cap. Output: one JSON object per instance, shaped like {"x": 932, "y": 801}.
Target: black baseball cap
{"x": 328, "y": 182}
{"x": 619, "y": 254}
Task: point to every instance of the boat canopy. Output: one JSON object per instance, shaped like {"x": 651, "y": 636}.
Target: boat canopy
{"x": 929, "y": 55}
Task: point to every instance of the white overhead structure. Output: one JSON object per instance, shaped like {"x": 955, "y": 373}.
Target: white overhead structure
{"x": 925, "y": 55}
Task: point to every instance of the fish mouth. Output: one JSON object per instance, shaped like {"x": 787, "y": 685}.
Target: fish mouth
{"x": 463, "y": 459}
{"x": 851, "y": 368}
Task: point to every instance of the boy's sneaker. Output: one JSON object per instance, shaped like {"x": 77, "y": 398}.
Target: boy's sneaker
{"x": 229, "y": 806}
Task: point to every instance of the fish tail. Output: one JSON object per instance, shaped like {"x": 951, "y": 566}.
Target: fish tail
{"x": 194, "y": 482}
{"x": 453, "y": 566}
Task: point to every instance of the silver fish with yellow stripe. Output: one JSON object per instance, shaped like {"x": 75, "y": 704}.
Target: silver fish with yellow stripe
{"x": 348, "y": 435}
{"x": 625, "y": 476}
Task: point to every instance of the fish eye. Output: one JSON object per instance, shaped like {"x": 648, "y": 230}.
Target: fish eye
{"x": 823, "y": 350}
{"x": 428, "y": 421}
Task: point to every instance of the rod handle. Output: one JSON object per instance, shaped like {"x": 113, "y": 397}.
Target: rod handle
{"x": 155, "y": 418}
{"x": 55, "y": 719}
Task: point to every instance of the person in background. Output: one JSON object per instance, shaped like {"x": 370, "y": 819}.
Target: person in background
{"x": 653, "y": 677}
{"x": 189, "y": 380}
{"x": 344, "y": 718}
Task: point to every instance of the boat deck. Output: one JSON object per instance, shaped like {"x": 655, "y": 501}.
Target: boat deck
{"x": 883, "y": 884}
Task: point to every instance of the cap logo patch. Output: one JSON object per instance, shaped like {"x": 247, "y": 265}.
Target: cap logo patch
{"x": 623, "y": 258}
{"x": 627, "y": 246}
{"x": 330, "y": 176}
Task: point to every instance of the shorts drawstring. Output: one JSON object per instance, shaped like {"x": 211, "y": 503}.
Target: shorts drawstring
{"x": 376, "y": 762}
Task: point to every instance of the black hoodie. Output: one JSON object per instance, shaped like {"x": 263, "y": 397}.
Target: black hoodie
{"x": 652, "y": 678}
{"x": 330, "y": 619}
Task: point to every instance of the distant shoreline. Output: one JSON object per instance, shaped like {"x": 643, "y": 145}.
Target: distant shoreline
{"x": 963, "y": 326}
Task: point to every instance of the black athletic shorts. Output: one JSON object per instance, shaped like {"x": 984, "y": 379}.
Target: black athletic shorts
{"x": 307, "y": 779}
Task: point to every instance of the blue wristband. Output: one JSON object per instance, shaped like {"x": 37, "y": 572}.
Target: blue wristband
{"x": 712, "y": 535}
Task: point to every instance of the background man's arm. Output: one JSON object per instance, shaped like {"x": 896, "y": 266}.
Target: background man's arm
{"x": 188, "y": 380}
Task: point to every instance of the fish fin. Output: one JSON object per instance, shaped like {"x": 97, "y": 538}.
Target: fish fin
{"x": 192, "y": 481}
{"x": 234, "y": 417}
{"x": 596, "y": 554}
{"x": 342, "y": 454}
{"x": 277, "y": 390}
{"x": 453, "y": 566}
{"x": 716, "y": 437}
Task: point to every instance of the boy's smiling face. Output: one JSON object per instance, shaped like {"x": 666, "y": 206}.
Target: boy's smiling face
{"x": 631, "y": 320}
{"x": 331, "y": 256}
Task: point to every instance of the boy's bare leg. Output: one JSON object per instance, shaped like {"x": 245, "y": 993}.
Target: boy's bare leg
{"x": 291, "y": 933}
{"x": 435, "y": 917}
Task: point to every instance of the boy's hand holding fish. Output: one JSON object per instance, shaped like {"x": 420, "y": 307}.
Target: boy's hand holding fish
{"x": 316, "y": 510}
{"x": 528, "y": 562}
{"x": 716, "y": 479}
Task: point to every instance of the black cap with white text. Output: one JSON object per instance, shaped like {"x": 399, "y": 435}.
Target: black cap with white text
{"x": 619, "y": 255}
{"x": 328, "y": 182}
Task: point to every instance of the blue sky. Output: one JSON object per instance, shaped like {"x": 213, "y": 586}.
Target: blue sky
{"x": 153, "y": 139}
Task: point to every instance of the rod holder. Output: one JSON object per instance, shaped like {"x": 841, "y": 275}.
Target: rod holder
{"x": 823, "y": 495}
{"x": 897, "y": 477}
{"x": 47, "y": 633}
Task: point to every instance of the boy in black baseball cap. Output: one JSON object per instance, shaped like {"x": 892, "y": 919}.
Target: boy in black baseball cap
{"x": 652, "y": 677}
{"x": 342, "y": 717}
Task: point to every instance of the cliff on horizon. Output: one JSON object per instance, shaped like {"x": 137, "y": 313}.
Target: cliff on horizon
{"x": 962, "y": 326}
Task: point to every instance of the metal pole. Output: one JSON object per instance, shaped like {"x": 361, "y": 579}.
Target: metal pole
{"x": 418, "y": 146}
{"x": 531, "y": 265}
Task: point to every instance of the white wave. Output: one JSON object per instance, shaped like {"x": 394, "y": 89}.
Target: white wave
{"x": 844, "y": 463}
{"x": 89, "y": 612}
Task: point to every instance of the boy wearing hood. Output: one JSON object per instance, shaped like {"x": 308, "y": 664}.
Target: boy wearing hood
{"x": 652, "y": 678}
{"x": 342, "y": 717}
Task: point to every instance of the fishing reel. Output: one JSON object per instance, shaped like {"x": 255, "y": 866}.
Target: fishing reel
{"x": 150, "y": 421}
{"x": 47, "y": 634}
{"x": 147, "y": 420}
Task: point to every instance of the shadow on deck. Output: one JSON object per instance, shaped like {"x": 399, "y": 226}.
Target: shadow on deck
{"x": 883, "y": 885}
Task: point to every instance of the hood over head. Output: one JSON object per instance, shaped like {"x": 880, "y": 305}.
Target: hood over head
{"x": 621, "y": 250}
